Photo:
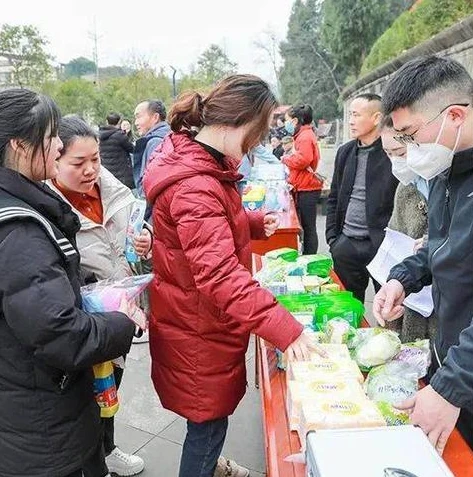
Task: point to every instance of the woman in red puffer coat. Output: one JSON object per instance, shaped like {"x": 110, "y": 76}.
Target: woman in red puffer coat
{"x": 204, "y": 301}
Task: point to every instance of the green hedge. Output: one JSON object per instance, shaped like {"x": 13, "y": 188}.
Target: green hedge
{"x": 413, "y": 27}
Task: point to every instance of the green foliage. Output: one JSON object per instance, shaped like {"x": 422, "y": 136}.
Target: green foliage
{"x": 308, "y": 75}
{"x": 427, "y": 19}
{"x": 213, "y": 64}
{"x": 24, "y": 47}
{"x": 350, "y": 27}
{"x": 121, "y": 94}
{"x": 79, "y": 67}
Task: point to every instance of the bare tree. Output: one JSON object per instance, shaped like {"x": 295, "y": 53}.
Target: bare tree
{"x": 268, "y": 43}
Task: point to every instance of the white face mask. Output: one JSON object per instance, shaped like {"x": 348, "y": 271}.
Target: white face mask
{"x": 401, "y": 171}
{"x": 431, "y": 159}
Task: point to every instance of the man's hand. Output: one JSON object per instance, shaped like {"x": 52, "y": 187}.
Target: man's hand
{"x": 142, "y": 243}
{"x": 418, "y": 244}
{"x": 433, "y": 414}
{"x": 271, "y": 224}
{"x": 387, "y": 304}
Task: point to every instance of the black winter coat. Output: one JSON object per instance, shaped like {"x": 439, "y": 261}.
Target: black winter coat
{"x": 446, "y": 263}
{"x": 380, "y": 190}
{"x": 49, "y": 420}
{"x": 115, "y": 150}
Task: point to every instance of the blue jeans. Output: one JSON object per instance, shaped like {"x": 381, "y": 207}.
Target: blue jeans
{"x": 202, "y": 447}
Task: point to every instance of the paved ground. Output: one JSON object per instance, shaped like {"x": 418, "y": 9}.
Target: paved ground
{"x": 145, "y": 428}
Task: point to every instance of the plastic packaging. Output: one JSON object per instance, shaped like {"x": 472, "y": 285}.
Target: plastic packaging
{"x": 392, "y": 383}
{"x": 392, "y": 416}
{"x": 378, "y": 348}
{"x": 320, "y": 265}
{"x": 286, "y": 253}
{"x": 105, "y": 389}
{"x": 417, "y": 355}
{"x": 135, "y": 226}
{"x": 338, "y": 305}
{"x": 107, "y": 295}
{"x": 338, "y": 331}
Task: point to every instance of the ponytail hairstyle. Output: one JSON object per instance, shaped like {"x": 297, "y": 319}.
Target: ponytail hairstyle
{"x": 235, "y": 101}
{"x": 29, "y": 118}
{"x": 72, "y": 127}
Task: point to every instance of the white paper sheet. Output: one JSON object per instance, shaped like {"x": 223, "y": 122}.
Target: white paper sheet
{"x": 395, "y": 248}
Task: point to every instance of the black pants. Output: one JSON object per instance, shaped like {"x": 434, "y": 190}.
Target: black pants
{"x": 306, "y": 205}
{"x": 96, "y": 467}
{"x": 350, "y": 258}
{"x": 108, "y": 423}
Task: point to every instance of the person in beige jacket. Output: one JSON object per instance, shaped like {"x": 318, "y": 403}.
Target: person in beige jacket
{"x": 103, "y": 205}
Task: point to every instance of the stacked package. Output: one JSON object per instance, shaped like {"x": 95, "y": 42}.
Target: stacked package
{"x": 327, "y": 393}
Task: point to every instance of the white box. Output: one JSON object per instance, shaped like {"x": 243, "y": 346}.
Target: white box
{"x": 368, "y": 452}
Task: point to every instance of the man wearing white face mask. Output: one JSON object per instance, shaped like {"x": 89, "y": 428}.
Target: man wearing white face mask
{"x": 410, "y": 218}
{"x": 429, "y": 100}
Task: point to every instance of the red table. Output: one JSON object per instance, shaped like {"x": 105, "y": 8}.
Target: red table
{"x": 287, "y": 234}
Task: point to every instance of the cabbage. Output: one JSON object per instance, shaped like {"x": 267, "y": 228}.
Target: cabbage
{"x": 378, "y": 348}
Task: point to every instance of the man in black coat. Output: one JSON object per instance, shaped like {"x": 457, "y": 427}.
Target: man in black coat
{"x": 116, "y": 150}
{"x": 430, "y": 102}
{"x": 361, "y": 198}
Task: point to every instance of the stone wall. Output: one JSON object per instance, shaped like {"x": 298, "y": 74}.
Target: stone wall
{"x": 455, "y": 42}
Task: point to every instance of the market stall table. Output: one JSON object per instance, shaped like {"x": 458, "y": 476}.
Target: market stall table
{"x": 280, "y": 442}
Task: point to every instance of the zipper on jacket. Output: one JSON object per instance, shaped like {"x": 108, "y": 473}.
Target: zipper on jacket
{"x": 447, "y": 203}
{"x": 437, "y": 357}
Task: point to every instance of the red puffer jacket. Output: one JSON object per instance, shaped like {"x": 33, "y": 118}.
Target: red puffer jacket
{"x": 306, "y": 155}
{"x": 204, "y": 302}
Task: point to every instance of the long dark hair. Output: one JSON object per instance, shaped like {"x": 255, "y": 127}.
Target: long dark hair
{"x": 235, "y": 101}
{"x": 27, "y": 117}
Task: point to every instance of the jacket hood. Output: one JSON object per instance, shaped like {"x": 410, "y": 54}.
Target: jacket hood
{"x": 179, "y": 157}
{"x": 39, "y": 196}
{"x": 106, "y": 132}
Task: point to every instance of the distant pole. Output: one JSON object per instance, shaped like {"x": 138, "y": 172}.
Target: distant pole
{"x": 95, "y": 38}
{"x": 174, "y": 71}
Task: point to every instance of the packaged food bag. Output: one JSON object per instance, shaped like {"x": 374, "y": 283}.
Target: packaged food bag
{"x": 338, "y": 331}
{"x": 299, "y": 392}
{"x": 323, "y": 369}
{"x": 378, "y": 348}
{"x": 417, "y": 355}
{"x": 393, "y": 416}
{"x": 107, "y": 295}
{"x": 338, "y": 413}
{"x": 135, "y": 226}
{"x": 285, "y": 253}
{"x": 393, "y": 382}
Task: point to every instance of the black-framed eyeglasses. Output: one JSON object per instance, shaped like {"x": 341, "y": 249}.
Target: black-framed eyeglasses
{"x": 406, "y": 139}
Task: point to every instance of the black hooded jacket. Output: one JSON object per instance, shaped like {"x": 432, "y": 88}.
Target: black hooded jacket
{"x": 115, "y": 154}
{"x": 49, "y": 420}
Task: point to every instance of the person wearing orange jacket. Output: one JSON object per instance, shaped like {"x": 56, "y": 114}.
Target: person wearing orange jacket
{"x": 302, "y": 165}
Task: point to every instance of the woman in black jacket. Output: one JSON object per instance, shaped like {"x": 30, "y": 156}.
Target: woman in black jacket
{"x": 49, "y": 420}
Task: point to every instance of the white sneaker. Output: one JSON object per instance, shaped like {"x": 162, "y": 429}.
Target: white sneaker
{"x": 144, "y": 338}
{"x": 123, "y": 464}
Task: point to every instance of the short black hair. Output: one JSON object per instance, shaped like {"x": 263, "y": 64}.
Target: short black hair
{"x": 113, "y": 119}
{"x": 386, "y": 123}
{"x": 157, "y": 106}
{"x": 411, "y": 83}
{"x": 369, "y": 97}
{"x": 303, "y": 113}
{"x": 72, "y": 127}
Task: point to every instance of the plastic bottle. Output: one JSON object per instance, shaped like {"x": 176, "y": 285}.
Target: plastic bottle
{"x": 105, "y": 389}
{"x": 135, "y": 226}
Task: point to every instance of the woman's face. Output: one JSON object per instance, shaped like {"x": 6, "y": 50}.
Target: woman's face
{"x": 125, "y": 126}
{"x": 79, "y": 166}
{"x": 42, "y": 165}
